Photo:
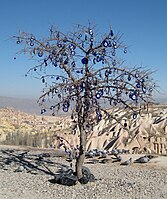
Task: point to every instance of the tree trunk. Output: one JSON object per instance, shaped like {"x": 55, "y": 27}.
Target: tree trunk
{"x": 82, "y": 142}
{"x": 80, "y": 159}
{"x": 82, "y": 120}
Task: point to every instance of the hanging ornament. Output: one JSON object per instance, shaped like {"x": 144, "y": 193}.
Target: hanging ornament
{"x": 129, "y": 77}
{"x": 113, "y": 53}
{"x": 73, "y": 52}
{"x": 125, "y": 50}
{"x": 66, "y": 61}
{"x": 18, "y": 41}
{"x": 99, "y": 116}
{"x": 66, "y": 104}
{"x": 91, "y": 39}
{"x": 59, "y": 96}
{"x": 111, "y": 33}
{"x": 84, "y": 60}
{"x": 114, "y": 63}
{"x": 133, "y": 96}
{"x": 54, "y": 63}
{"x": 73, "y": 64}
{"x": 31, "y": 43}
{"x": 105, "y": 43}
{"x": 59, "y": 45}
{"x": 40, "y": 53}
{"x": 65, "y": 109}
{"x": 43, "y": 111}
{"x": 94, "y": 60}
{"x": 138, "y": 85}
{"x": 134, "y": 115}
{"x": 144, "y": 89}
{"x": 52, "y": 107}
{"x": 106, "y": 73}
{"x": 98, "y": 95}
{"x": 90, "y": 31}
{"x": 43, "y": 80}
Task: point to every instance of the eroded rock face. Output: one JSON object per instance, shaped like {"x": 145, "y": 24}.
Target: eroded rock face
{"x": 147, "y": 132}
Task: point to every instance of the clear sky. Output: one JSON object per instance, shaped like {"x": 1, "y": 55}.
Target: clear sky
{"x": 143, "y": 23}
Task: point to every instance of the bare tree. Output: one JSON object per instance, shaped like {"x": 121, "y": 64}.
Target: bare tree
{"x": 83, "y": 74}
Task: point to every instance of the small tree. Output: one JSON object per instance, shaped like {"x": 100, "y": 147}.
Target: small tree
{"x": 82, "y": 73}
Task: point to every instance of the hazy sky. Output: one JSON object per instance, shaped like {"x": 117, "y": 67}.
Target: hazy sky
{"x": 143, "y": 23}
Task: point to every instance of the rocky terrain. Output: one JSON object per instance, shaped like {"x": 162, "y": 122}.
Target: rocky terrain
{"x": 28, "y": 173}
{"x": 146, "y": 133}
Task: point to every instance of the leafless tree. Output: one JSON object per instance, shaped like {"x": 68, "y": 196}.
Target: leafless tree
{"x": 82, "y": 73}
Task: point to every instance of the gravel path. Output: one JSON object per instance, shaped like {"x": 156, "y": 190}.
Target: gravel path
{"x": 136, "y": 181}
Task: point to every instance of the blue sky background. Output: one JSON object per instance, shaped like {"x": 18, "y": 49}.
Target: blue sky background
{"x": 143, "y": 23}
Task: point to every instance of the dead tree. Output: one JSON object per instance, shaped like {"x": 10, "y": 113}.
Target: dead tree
{"x": 83, "y": 74}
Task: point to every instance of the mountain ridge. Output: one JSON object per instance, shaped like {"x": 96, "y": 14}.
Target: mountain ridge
{"x": 22, "y": 104}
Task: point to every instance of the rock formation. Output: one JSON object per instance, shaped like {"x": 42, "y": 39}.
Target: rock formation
{"x": 146, "y": 133}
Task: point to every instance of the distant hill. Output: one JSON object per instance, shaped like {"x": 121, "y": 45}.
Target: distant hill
{"x": 31, "y": 106}
{"x": 25, "y": 105}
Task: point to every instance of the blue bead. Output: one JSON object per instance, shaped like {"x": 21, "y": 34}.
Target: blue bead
{"x": 129, "y": 78}
{"x": 65, "y": 109}
{"x": 43, "y": 111}
{"x": 106, "y": 73}
{"x": 54, "y": 63}
{"x": 66, "y": 104}
{"x": 138, "y": 85}
{"x": 72, "y": 47}
{"x": 136, "y": 75}
{"x": 66, "y": 61}
{"x": 125, "y": 50}
{"x": 150, "y": 90}
{"x": 31, "y": 43}
{"x": 94, "y": 60}
{"x": 52, "y": 107}
{"x": 84, "y": 60}
{"x": 91, "y": 39}
{"x": 109, "y": 44}
{"x": 98, "y": 58}
{"x": 144, "y": 89}
{"x": 59, "y": 45}
{"x": 134, "y": 115}
{"x": 73, "y": 64}
{"x": 111, "y": 33}
{"x": 114, "y": 63}
{"x": 73, "y": 52}
{"x": 105, "y": 43}
{"x": 40, "y": 53}
{"x": 90, "y": 31}
{"x": 99, "y": 116}
{"x": 98, "y": 95}
{"x": 113, "y": 53}
{"x": 114, "y": 43}
{"x": 101, "y": 92}
{"x": 133, "y": 96}
{"x": 43, "y": 80}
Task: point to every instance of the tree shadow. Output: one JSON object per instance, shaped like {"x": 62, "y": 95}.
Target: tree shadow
{"x": 28, "y": 162}
{"x": 42, "y": 163}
